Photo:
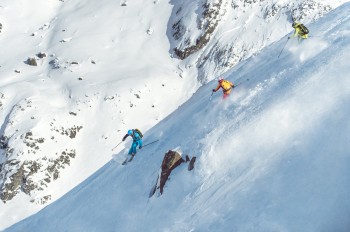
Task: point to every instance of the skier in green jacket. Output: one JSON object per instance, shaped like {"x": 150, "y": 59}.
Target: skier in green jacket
{"x": 300, "y": 30}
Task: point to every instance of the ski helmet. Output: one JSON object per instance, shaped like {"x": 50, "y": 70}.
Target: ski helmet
{"x": 129, "y": 132}
{"x": 220, "y": 80}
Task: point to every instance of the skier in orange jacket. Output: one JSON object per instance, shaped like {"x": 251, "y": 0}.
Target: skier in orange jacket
{"x": 226, "y": 86}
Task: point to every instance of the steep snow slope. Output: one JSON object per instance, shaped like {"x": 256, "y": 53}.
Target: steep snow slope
{"x": 273, "y": 157}
{"x": 104, "y": 71}
{"x": 107, "y": 66}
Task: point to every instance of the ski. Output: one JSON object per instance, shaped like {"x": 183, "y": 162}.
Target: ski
{"x": 191, "y": 164}
{"x": 125, "y": 161}
{"x": 131, "y": 158}
{"x": 128, "y": 159}
{"x": 156, "y": 186}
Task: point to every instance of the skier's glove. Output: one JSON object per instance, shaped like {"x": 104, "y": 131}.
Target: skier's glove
{"x": 140, "y": 147}
{"x": 213, "y": 90}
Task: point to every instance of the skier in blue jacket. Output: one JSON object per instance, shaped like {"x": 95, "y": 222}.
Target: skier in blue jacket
{"x": 137, "y": 141}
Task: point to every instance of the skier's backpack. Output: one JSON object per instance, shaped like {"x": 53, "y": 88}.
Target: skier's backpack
{"x": 303, "y": 29}
{"x": 139, "y": 132}
{"x": 226, "y": 85}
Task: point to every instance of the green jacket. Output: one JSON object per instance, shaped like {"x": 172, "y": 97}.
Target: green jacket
{"x": 298, "y": 31}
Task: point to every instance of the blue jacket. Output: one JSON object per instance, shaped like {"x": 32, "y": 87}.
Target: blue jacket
{"x": 135, "y": 136}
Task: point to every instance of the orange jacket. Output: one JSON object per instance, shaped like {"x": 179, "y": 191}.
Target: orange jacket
{"x": 225, "y": 85}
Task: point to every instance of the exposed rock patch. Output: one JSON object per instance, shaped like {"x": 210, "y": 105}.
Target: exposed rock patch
{"x": 41, "y": 55}
{"x": 25, "y": 169}
{"x": 208, "y": 22}
{"x": 31, "y": 176}
{"x": 2, "y": 96}
{"x": 70, "y": 132}
{"x": 31, "y": 61}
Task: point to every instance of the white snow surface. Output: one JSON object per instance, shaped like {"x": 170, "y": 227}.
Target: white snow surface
{"x": 273, "y": 157}
{"x": 128, "y": 80}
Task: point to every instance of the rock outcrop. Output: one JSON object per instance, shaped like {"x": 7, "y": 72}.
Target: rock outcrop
{"x": 32, "y": 174}
{"x": 27, "y": 161}
{"x": 217, "y": 34}
{"x": 31, "y": 61}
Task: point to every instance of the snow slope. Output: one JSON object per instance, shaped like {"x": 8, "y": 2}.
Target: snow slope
{"x": 109, "y": 66}
{"x": 273, "y": 157}
{"x": 215, "y": 35}
{"x": 103, "y": 72}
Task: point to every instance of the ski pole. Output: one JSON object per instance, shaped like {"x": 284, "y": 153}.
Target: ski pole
{"x": 151, "y": 143}
{"x": 116, "y": 146}
{"x": 241, "y": 82}
{"x": 283, "y": 48}
{"x": 211, "y": 96}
